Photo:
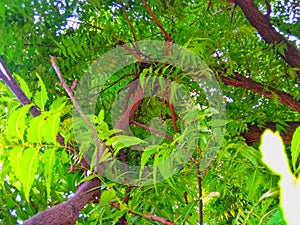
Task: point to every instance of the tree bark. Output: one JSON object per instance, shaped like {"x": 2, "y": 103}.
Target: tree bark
{"x": 67, "y": 212}
{"x": 254, "y": 132}
{"x": 268, "y": 32}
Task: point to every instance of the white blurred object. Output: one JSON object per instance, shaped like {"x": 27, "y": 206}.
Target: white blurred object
{"x": 274, "y": 156}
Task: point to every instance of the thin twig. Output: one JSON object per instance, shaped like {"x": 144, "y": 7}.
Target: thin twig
{"x": 108, "y": 87}
{"x": 174, "y": 116}
{"x": 75, "y": 103}
{"x": 199, "y": 179}
{"x": 167, "y": 36}
{"x": 129, "y": 23}
{"x": 131, "y": 51}
{"x": 145, "y": 215}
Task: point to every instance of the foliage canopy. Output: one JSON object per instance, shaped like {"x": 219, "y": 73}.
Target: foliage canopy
{"x": 255, "y": 66}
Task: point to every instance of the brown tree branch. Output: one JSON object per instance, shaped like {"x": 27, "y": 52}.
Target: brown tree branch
{"x": 68, "y": 211}
{"x": 254, "y": 132}
{"x": 268, "y": 32}
{"x": 131, "y": 51}
{"x": 247, "y": 83}
{"x": 128, "y": 114}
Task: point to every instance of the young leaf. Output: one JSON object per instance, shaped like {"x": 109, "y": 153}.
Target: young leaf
{"x": 101, "y": 116}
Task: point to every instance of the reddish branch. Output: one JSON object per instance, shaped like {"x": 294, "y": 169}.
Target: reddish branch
{"x": 199, "y": 181}
{"x": 128, "y": 114}
{"x": 75, "y": 103}
{"x": 131, "y": 51}
{"x": 154, "y": 218}
{"x": 167, "y": 36}
{"x": 174, "y": 116}
{"x": 247, "y": 83}
{"x": 268, "y": 32}
{"x": 128, "y": 21}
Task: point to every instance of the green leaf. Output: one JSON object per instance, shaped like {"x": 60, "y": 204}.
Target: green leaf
{"x": 295, "y": 148}
{"x": 24, "y": 163}
{"x": 249, "y": 153}
{"x": 57, "y": 103}
{"x": 127, "y": 141}
{"x": 23, "y": 86}
{"x": 41, "y": 96}
{"x": 107, "y": 196}
{"x": 34, "y": 134}
{"x": 101, "y": 115}
{"x": 16, "y": 124}
{"x": 44, "y": 128}
{"x": 51, "y": 126}
{"x": 49, "y": 159}
{"x": 150, "y": 150}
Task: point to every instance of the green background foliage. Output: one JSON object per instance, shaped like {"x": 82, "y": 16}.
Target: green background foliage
{"x": 237, "y": 188}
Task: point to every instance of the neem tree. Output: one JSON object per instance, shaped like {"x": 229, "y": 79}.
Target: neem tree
{"x": 125, "y": 122}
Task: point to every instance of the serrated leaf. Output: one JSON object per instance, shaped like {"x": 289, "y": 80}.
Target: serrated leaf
{"x": 44, "y": 128}
{"x": 41, "y": 96}
{"x": 49, "y": 159}
{"x": 24, "y": 163}
{"x": 51, "y": 126}
{"x": 34, "y": 134}
{"x": 16, "y": 124}
{"x": 295, "y": 148}
{"x": 162, "y": 83}
{"x": 219, "y": 122}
